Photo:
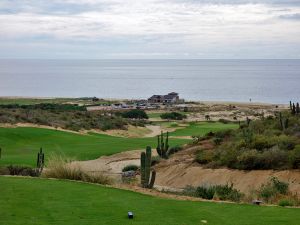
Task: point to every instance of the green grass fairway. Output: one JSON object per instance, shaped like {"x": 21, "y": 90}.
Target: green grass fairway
{"x": 201, "y": 128}
{"x": 26, "y": 201}
{"x": 20, "y": 145}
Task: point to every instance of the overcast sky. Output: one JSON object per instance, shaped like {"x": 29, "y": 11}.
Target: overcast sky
{"x": 150, "y": 29}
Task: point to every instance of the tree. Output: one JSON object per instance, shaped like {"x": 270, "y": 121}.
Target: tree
{"x": 135, "y": 114}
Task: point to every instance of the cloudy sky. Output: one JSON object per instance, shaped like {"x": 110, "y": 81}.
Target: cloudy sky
{"x": 150, "y": 29}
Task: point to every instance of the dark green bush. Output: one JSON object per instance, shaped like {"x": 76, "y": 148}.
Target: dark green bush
{"x": 222, "y": 192}
{"x": 224, "y": 121}
{"x": 173, "y": 116}
{"x": 135, "y": 114}
{"x": 130, "y": 168}
{"x": 174, "y": 149}
{"x": 285, "y": 202}
{"x": 205, "y": 192}
{"x": 23, "y": 171}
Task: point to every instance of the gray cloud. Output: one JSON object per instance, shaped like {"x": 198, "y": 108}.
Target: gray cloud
{"x": 151, "y": 27}
{"x": 295, "y": 16}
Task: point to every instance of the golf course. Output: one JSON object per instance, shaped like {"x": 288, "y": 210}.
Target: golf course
{"x": 20, "y": 145}
{"x": 34, "y": 201}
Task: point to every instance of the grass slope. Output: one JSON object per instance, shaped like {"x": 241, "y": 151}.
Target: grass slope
{"x": 40, "y": 202}
{"x": 202, "y": 128}
{"x": 20, "y": 145}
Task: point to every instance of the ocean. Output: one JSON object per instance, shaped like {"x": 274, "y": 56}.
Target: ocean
{"x": 269, "y": 81}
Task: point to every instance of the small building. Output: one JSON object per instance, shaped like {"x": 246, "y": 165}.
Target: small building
{"x": 172, "y": 97}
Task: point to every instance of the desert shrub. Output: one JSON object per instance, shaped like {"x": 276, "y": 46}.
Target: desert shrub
{"x": 261, "y": 142}
{"x": 155, "y": 160}
{"x": 60, "y": 167}
{"x": 135, "y": 114}
{"x": 274, "y": 159}
{"x": 285, "y": 202}
{"x": 173, "y": 116}
{"x": 217, "y": 141}
{"x": 272, "y": 189}
{"x": 227, "y": 156}
{"x": 174, "y": 149}
{"x": 205, "y": 192}
{"x": 204, "y": 156}
{"x": 227, "y": 192}
{"x": 23, "y": 171}
{"x": 130, "y": 168}
{"x": 249, "y": 160}
{"x": 286, "y": 142}
{"x": 223, "y": 133}
{"x": 222, "y": 192}
{"x": 280, "y": 186}
{"x": 224, "y": 121}
{"x": 294, "y": 157}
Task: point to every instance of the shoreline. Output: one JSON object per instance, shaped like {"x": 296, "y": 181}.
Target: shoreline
{"x": 206, "y": 102}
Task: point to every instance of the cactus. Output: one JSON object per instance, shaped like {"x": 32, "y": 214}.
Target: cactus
{"x": 291, "y": 106}
{"x": 284, "y": 122}
{"x": 146, "y": 169}
{"x": 163, "y": 145}
{"x": 0, "y": 152}
{"x": 248, "y": 121}
{"x": 293, "y": 109}
{"x": 40, "y": 159}
{"x": 297, "y": 108}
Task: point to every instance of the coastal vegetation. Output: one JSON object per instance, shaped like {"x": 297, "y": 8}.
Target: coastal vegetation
{"x": 66, "y": 116}
{"x": 268, "y": 143}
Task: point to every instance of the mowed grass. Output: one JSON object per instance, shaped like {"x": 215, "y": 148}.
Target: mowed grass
{"x": 20, "y": 145}
{"x": 36, "y": 201}
{"x": 202, "y": 128}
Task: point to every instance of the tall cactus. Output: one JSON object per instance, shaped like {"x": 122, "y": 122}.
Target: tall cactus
{"x": 163, "y": 145}
{"x": 146, "y": 169}
{"x": 284, "y": 122}
{"x": 40, "y": 159}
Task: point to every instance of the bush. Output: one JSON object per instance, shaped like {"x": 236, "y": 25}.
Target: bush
{"x": 173, "y": 116}
{"x": 217, "y": 140}
{"x": 273, "y": 188}
{"x": 130, "y": 168}
{"x": 174, "y": 149}
{"x": 23, "y": 171}
{"x": 155, "y": 160}
{"x": 60, "y": 167}
{"x": 280, "y": 186}
{"x": 222, "y": 192}
{"x": 294, "y": 157}
{"x": 224, "y": 121}
{"x": 204, "y": 156}
{"x": 285, "y": 202}
{"x": 226, "y": 192}
{"x": 135, "y": 114}
{"x": 205, "y": 192}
